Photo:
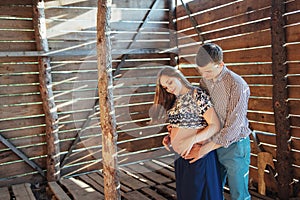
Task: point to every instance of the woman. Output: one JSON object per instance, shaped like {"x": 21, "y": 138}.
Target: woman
{"x": 192, "y": 122}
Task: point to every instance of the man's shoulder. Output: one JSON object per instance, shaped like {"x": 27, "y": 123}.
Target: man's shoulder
{"x": 234, "y": 78}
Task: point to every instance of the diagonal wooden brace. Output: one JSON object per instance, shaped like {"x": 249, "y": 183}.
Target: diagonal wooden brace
{"x": 21, "y": 155}
{"x": 263, "y": 159}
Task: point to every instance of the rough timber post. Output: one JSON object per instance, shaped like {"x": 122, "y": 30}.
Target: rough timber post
{"x": 172, "y": 30}
{"x": 107, "y": 115}
{"x": 280, "y": 100}
{"x": 45, "y": 79}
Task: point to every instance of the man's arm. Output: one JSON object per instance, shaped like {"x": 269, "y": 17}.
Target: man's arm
{"x": 198, "y": 151}
{"x": 236, "y": 116}
{"x": 213, "y": 127}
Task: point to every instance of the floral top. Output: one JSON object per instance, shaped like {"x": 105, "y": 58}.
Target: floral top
{"x": 188, "y": 109}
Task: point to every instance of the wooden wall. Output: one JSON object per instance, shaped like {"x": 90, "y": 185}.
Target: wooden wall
{"x": 139, "y": 31}
{"x": 75, "y": 77}
{"x": 242, "y": 29}
{"x": 21, "y": 122}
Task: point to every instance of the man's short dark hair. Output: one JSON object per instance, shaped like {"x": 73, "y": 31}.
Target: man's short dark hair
{"x": 208, "y": 53}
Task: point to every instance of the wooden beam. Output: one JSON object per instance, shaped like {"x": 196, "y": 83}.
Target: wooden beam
{"x": 45, "y": 79}
{"x": 193, "y": 21}
{"x": 107, "y": 113}
{"x": 21, "y": 155}
{"x": 83, "y": 52}
{"x": 75, "y": 142}
{"x": 172, "y": 29}
{"x": 280, "y": 100}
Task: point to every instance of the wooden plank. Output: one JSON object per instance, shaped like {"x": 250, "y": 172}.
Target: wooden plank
{"x": 25, "y": 136}
{"x": 255, "y": 69}
{"x": 293, "y": 69}
{"x": 17, "y": 59}
{"x": 166, "y": 191}
{"x": 253, "y": 39}
{"x": 292, "y": 33}
{"x": 258, "y": 79}
{"x": 131, "y": 181}
{"x": 138, "y": 173}
{"x": 293, "y": 80}
{"x": 16, "y": 11}
{"x": 148, "y": 173}
{"x": 291, "y": 19}
{"x": 263, "y": 127}
{"x": 295, "y": 121}
{"x": 97, "y": 177}
{"x": 4, "y": 193}
{"x": 138, "y": 145}
{"x": 15, "y": 24}
{"x": 237, "y": 13}
{"x": 81, "y": 167}
{"x": 260, "y": 105}
{"x": 261, "y": 91}
{"x": 293, "y": 49}
{"x": 20, "y": 79}
{"x": 92, "y": 183}
{"x": 260, "y": 117}
{"x": 57, "y": 191}
{"x": 153, "y": 194}
{"x": 135, "y": 195}
{"x": 141, "y": 156}
{"x": 294, "y": 92}
{"x": 16, "y": 35}
{"x": 194, "y": 5}
{"x": 292, "y": 6}
{"x": 23, "y": 192}
{"x": 17, "y": 46}
{"x": 20, "y": 99}
{"x": 80, "y": 190}
{"x": 18, "y": 68}
{"x": 20, "y": 111}
{"x": 16, "y": 2}
{"x": 22, "y": 123}
{"x": 162, "y": 169}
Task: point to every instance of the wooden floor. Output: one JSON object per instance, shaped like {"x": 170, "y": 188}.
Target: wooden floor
{"x": 151, "y": 180}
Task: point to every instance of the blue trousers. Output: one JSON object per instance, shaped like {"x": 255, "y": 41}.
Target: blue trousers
{"x": 199, "y": 180}
{"x": 234, "y": 165}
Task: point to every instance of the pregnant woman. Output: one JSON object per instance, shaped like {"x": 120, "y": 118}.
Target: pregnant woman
{"x": 192, "y": 121}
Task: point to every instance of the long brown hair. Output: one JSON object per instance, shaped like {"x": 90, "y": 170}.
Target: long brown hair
{"x": 164, "y": 100}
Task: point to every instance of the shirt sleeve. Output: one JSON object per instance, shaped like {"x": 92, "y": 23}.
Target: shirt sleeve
{"x": 236, "y": 118}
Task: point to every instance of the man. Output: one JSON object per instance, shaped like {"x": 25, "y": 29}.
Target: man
{"x": 230, "y": 95}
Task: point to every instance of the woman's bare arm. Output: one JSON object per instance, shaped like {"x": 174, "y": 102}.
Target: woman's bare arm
{"x": 213, "y": 127}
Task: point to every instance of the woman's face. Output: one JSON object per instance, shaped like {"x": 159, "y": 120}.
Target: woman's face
{"x": 171, "y": 84}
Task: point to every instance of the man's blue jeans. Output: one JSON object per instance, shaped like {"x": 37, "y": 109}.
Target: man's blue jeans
{"x": 234, "y": 165}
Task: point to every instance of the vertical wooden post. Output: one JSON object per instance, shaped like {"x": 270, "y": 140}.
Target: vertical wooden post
{"x": 280, "y": 100}
{"x": 45, "y": 79}
{"x": 107, "y": 113}
{"x": 172, "y": 30}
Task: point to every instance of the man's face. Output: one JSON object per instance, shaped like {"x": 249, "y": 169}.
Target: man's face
{"x": 210, "y": 71}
